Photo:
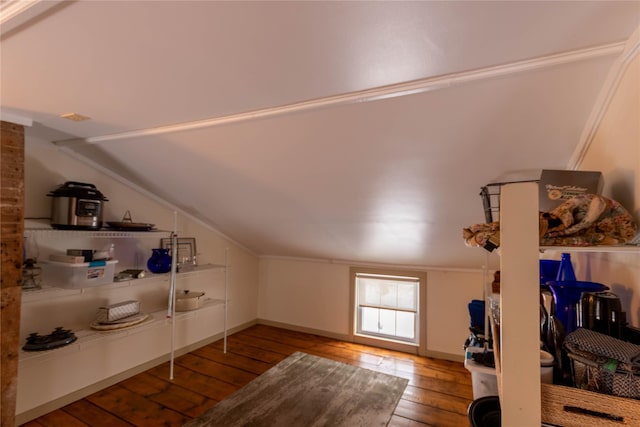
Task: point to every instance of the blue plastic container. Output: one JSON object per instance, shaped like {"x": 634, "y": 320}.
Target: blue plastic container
{"x": 476, "y": 313}
{"x": 566, "y": 296}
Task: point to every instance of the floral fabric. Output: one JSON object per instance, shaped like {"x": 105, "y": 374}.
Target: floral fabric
{"x": 585, "y": 220}
{"x": 589, "y": 220}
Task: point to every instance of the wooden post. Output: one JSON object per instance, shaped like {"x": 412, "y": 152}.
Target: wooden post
{"x": 519, "y": 306}
{"x": 12, "y": 231}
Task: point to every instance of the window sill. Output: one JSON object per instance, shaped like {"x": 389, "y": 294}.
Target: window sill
{"x": 389, "y": 344}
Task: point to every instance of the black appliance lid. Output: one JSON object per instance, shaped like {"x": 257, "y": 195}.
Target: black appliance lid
{"x": 78, "y": 189}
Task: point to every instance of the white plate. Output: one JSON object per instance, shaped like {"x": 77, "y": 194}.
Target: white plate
{"x": 130, "y": 321}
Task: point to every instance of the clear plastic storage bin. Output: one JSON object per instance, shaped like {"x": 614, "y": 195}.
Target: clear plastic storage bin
{"x": 84, "y": 275}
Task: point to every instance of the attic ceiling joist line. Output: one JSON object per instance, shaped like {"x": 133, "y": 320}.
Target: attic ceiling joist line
{"x": 368, "y": 95}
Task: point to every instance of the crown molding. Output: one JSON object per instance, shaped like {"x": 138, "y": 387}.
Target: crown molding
{"x": 17, "y": 14}
{"x": 388, "y": 266}
{"x": 383, "y": 92}
{"x": 609, "y": 89}
{"x": 10, "y": 9}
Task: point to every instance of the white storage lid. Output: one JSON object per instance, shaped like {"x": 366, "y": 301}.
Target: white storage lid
{"x": 92, "y": 264}
{"x": 546, "y": 358}
{"x": 473, "y": 366}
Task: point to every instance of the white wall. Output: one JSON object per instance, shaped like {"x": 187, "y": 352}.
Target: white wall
{"x": 51, "y": 376}
{"x": 315, "y": 295}
{"x": 615, "y": 150}
{"x": 307, "y": 294}
{"x": 448, "y": 296}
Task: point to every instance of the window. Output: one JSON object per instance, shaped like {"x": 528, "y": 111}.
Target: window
{"x": 387, "y": 306}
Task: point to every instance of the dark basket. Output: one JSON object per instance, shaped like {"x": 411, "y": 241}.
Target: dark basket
{"x": 490, "y": 194}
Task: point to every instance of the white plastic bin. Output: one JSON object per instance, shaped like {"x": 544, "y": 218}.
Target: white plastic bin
{"x": 483, "y": 378}
{"x": 546, "y": 367}
{"x": 83, "y": 275}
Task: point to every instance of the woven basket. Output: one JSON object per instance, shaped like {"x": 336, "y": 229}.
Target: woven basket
{"x": 594, "y": 374}
{"x": 572, "y": 407}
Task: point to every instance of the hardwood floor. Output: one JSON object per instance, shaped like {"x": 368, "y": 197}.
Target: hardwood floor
{"x": 438, "y": 393}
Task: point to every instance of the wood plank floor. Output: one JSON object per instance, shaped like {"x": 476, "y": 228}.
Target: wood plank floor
{"x": 438, "y": 393}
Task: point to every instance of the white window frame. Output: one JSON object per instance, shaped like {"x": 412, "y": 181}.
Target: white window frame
{"x": 417, "y": 346}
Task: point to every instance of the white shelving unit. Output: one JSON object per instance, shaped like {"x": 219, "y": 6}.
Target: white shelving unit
{"x": 47, "y": 293}
{"x": 518, "y": 363}
{"x": 99, "y": 355}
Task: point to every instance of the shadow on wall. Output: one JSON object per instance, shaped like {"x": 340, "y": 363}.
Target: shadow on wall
{"x": 622, "y": 189}
{"x": 618, "y": 271}
{"x": 40, "y": 179}
{"x": 626, "y": 295}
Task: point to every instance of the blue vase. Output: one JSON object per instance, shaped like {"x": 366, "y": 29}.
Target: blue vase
{"x": 548, "y": 270}
{"x": 565, "y": 271}
{"x": 160, "y": 261}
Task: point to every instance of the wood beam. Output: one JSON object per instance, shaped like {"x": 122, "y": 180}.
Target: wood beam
{"x": 11, "y": 241}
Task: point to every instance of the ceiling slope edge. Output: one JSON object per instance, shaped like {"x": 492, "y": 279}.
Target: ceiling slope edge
{"x": 11, "y": 9}
{"x": 16, "y": 15}
{"x": 416, "y": 267}
{"x": 6, "y": 116}
{"x": 609, "y": 88}
{"x": 389, "y": 91}
{"x": 154, "y": 197}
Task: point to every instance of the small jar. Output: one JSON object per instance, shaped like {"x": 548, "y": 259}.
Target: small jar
{"x": 495, "y": 285}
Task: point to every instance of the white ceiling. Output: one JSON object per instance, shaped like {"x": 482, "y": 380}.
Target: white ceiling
{"x": 337, "y": 130}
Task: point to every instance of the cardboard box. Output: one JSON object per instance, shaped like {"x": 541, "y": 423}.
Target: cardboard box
{"x": 556, "y": 186}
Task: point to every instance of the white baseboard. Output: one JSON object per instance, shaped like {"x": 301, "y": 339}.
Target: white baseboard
{"x": 446, "y": 356}
{"x": 320, "y": 332}
{"x": 345, "y": 337}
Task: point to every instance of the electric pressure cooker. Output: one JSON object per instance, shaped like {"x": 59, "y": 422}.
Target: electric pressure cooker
{"x": 77, "y": 206}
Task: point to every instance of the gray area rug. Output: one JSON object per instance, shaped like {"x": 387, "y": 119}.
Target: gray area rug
{"x": 305, "y": 390}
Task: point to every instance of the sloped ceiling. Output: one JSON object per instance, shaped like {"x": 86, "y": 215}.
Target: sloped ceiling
{"x": 336, "y": 130}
